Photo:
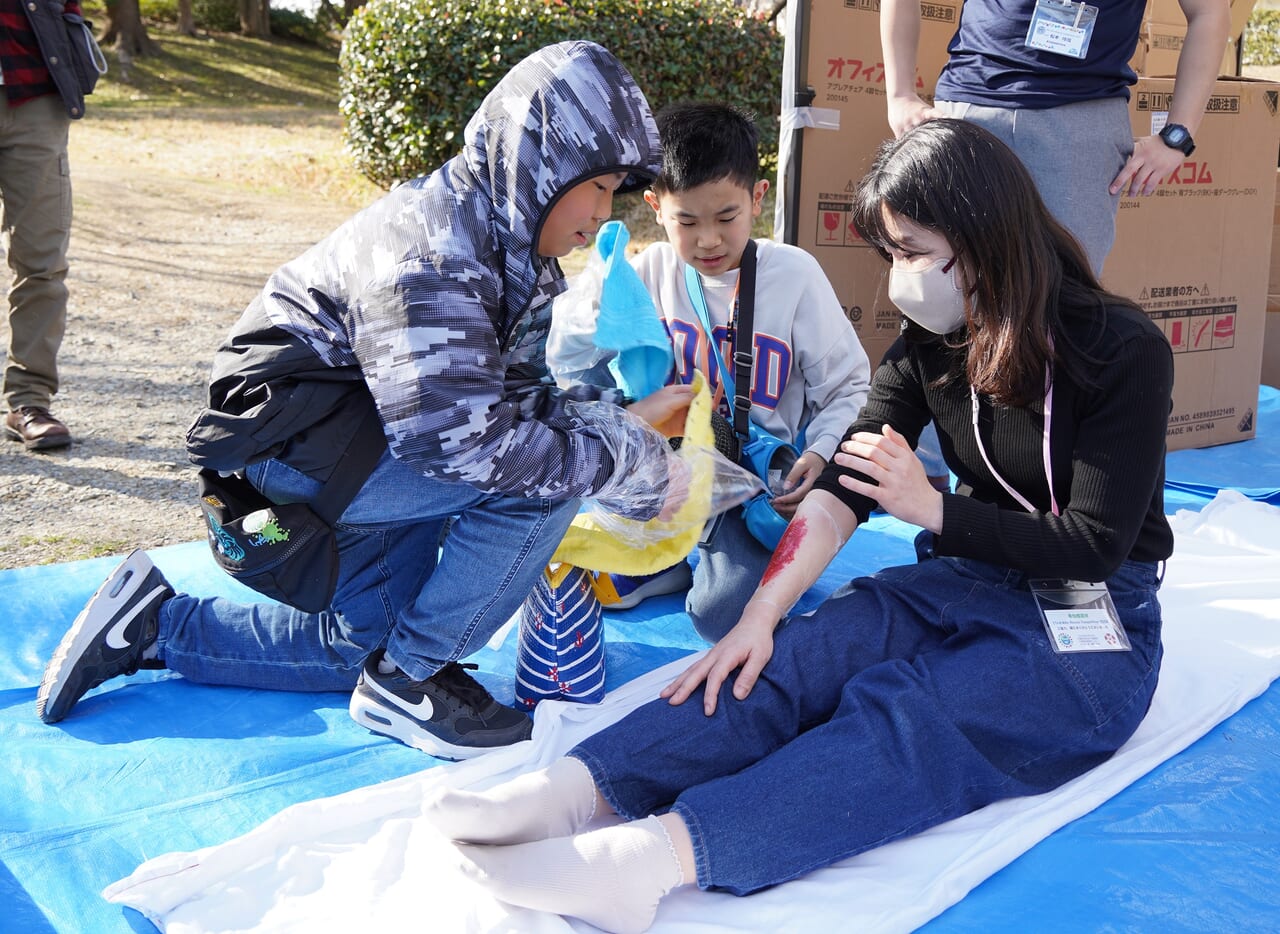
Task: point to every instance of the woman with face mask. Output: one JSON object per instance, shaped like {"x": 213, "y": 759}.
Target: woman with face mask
{"x": 1021, "y": 650}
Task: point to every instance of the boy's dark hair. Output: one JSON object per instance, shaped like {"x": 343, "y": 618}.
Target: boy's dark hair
{"x": 704, "y": 142}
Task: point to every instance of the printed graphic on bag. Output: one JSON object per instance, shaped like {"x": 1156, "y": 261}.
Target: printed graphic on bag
{"x": 285, "y": 552}
{"x": 561, "y": 653}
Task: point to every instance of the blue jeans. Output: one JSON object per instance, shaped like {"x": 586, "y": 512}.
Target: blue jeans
{"x": 391, "y": 590}
{"x": 730, "y": 565}
{"x": 907, "y": 699}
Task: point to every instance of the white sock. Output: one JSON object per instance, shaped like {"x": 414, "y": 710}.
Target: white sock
{"x": 612, "y": 878}
{"x": 553, "y": 802}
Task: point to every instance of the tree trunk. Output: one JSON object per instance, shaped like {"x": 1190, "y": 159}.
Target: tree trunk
{"x": 126, "y": 31}
{"x": 186, "y": 19}
{"x": 349, "y": 7}
{"x": 255, "y": 18}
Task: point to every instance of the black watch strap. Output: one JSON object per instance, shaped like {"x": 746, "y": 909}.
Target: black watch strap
{"x": 1177, "y": 136}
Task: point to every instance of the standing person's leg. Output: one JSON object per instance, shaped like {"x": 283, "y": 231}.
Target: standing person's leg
{"x": 35, "y": 185}
{"x": 1073, "y": 152}
{"x": 730, "y": 565}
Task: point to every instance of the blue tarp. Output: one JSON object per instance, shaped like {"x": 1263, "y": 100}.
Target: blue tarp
{"x": 154, "y": 763}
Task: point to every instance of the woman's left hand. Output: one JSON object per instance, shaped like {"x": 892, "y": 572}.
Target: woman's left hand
{"x": 901, "y": 487}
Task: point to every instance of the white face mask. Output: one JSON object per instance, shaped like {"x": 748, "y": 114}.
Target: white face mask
{"x": 930, "y": 297}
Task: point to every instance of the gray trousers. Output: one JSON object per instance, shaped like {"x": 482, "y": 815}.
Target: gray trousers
{"x": 35, "y": 226}
{"x": 1073, "y": 152}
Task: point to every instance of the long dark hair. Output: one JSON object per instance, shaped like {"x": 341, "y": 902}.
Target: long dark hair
{"x": 1022, "y": 268}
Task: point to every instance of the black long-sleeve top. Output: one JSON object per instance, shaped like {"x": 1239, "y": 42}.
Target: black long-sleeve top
{"x": 1111, "y": 403}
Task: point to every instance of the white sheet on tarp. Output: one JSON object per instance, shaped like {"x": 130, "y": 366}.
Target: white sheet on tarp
{"x": 362, "y": 860}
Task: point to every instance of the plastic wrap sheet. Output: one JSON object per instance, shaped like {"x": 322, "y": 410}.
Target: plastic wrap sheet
{"x": 602, "y": 540}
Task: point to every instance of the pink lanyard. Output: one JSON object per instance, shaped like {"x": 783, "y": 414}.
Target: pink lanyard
{"x": 1048, "y": 465}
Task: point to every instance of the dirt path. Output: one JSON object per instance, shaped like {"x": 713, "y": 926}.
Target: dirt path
{"x": 178, "y": 222}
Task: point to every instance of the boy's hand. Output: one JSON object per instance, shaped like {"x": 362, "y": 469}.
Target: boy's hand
{"x": 666, "y": 409}
{"x": 800, "y": 481}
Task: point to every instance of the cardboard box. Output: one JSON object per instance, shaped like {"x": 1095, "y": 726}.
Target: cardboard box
{"x": 1164, "y": 30}
{"x": 1195, "y": 255}
{"x": 1211, "y": 223}
{"x": 1271, "y": 336}
{"x": 1271, "y": 344}
{"x": 1160, "y": 44}
{"x": 845, "y": 67}
{"x": 1274, "y": 287}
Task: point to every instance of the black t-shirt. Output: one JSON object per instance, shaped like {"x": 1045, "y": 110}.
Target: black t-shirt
{"x": 989, "y": 63}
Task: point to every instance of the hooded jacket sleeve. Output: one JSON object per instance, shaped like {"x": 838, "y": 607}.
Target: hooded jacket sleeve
{"x": 456, "y": 407}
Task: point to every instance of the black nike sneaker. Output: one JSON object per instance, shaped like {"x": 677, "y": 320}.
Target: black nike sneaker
{"x": 108, "y": 637}
{"x": 449, "y": 715}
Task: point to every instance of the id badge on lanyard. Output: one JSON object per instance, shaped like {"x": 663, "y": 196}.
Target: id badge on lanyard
{"x": 1079, "y": 616}
{"x": 1063, "y": 27}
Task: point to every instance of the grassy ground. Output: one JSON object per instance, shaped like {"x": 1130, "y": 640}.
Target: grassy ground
{"x": 284, "y": 96}
{"x": 221, "y": 70}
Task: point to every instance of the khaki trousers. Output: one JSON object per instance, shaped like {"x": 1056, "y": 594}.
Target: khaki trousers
{"x": 35, "y": 230}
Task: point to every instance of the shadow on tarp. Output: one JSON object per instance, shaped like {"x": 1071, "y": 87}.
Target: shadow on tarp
{"x": 20, "y": 912}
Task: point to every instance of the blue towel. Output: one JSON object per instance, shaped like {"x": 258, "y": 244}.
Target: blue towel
{"x": 629, "y": 324}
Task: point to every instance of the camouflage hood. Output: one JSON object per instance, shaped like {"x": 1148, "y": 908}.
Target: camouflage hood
{"x": 567, "y": 113}
{"x": 435, "y": 299}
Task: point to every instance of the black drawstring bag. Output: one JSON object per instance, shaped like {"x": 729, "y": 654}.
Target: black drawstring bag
{"x": 286, "y": 552}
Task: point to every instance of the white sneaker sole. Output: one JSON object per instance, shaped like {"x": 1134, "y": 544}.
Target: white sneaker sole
{"x": 107, "y": 601}
{"x": 379, "y": 718}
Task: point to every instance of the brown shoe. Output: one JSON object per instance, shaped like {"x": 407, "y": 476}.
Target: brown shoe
{"x": 36, "y": 428}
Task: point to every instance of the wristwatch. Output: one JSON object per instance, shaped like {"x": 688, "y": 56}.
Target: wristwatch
{"x": 1177, "y": 136}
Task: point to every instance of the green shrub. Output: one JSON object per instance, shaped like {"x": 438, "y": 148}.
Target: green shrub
{"x": 1262, "y": 39}
{"x": 216, "y": 15}
{"x": 296, "y": 25}
{"x": 414, "y": 71}
{"x": 158, "y": 11}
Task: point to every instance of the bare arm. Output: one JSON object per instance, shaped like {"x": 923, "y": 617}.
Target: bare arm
{"x": 821, "y": 526}
{"x": 900, "y": 40}
{"x": 1152, "y": 161}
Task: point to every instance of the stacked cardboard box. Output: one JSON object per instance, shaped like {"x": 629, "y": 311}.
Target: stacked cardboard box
{"x": 845, "y": 68}
{"x": 1204, "y": 225}
{"x": 1271, "y": 345}
{"x": 1164, "y": 29}
{"x": 1195, "y": 254}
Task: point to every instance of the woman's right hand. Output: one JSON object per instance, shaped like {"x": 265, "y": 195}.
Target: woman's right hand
{"x": 748, "y": 645}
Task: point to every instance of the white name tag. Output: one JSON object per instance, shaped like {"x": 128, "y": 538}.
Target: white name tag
{"x": 1063, "y": 27}
{"x": 1079, "y": 616}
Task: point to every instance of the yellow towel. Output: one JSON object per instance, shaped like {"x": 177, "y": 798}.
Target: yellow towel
{"x": 587, "y": 545}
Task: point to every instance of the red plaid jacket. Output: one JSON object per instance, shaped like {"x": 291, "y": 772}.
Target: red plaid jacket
{"x": 25, "y": 74}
